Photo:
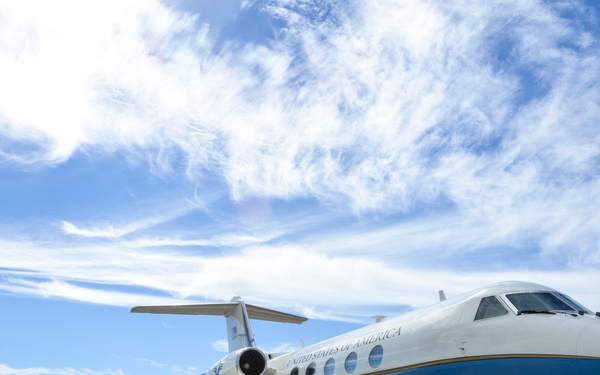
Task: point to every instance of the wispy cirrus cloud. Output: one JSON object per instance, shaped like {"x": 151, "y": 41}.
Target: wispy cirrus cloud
{"x": 58, "y": 289}
{"x": 220, "y": 346}
{"x": 462, "y": 116}
{"x": 6, "y": 370}
{"x": 452, "y": 129}
{"x": 174, "y": 369}
{"x": 299, "y": 279}
{"x": 150, "y": 218}
{"x": 108, "y": 231}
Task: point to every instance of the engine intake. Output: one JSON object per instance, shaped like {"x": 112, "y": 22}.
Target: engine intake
{"x": 252, "y": 362}
{"x": 246, "y": 361}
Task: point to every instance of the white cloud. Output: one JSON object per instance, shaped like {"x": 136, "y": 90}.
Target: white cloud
{"x": 486, "y": 109}
{"x": 149, "y": 218}
{"x": 298, "y": 280}
{"x": 220, "y": 346}
{"x": 92, "y": 80}
{"x": 223, "y": 240}
{"x": 282, "y": 348}
{"x": 175, "y": 369}
{"x": 62, "y": 290}
{"x": 399, "y": 105}
{"x": 6, "y": 370}
{"x": 109, "y": 231}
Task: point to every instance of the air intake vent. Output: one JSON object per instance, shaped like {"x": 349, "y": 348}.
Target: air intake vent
{"x": 252, "y": 362}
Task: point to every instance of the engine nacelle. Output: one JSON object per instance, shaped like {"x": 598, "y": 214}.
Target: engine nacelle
{"x": 246, "y": 361}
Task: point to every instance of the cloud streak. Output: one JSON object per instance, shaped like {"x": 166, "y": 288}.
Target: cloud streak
{"x": 296, "y": 277}
{"x": 6, "y": 370}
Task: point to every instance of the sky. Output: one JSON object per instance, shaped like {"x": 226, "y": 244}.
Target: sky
{"x": 333, "y": 159}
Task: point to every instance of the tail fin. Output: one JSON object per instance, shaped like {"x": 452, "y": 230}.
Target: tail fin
{"x": 237, "y": 314}
{"x": 239, "y": 330}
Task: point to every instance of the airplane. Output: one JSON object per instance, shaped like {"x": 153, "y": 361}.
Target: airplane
{"x": 501, "y": 329}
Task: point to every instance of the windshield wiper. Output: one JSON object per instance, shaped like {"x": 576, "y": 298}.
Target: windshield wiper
{"x": 553, "y": 312}
{"x": 569, "y": 312}
{"x": 520, "y": 312}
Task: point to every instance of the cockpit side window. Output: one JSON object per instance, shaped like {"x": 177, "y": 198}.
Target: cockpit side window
{"x": 576, "y": 304}
{"x": 490, "y": 307}
{"x": 538, "y": 302}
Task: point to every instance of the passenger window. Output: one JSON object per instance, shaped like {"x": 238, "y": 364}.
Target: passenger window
{"x": 350, "y": 364}
{"x": 329, "y": 366}
{"x": 376, "y": 356}
{"x": 490, "y": 307}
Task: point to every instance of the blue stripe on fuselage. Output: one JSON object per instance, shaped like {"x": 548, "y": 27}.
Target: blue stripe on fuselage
{"x": 511, "y": 366}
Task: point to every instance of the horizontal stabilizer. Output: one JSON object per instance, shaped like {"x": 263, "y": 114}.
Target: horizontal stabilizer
{"x": 222, "y": 309}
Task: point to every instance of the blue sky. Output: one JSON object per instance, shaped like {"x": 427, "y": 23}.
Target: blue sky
{"x": 336, "y": 159}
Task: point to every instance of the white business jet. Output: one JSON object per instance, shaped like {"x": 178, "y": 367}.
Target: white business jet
{"x": 506, "y": 328}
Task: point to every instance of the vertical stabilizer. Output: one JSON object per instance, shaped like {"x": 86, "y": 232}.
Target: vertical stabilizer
{"x": 239, "y": 331}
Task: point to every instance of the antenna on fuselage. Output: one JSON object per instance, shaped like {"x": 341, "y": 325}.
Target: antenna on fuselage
{"x": 442, "y": 295}
{"x": 378, "y": 318}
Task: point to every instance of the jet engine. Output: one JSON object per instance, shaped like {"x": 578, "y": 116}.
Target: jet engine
{"x": 246, "y": 361}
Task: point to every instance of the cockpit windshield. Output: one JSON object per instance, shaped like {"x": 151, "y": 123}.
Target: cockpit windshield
{"x": 540, "y": 302}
